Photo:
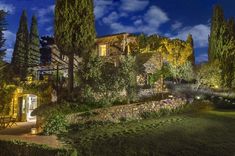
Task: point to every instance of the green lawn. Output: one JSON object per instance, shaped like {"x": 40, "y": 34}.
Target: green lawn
{"x": 208, "y": 133}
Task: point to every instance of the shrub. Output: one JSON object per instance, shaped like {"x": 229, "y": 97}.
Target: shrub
{"x": 55, "y": 124}
{"x": 157, "y": 114}
{"x": 6, "y": 94}
{"x": 224, "y": 103}
{"x": 123, "y": 119}
{"x": 164, "y": 112}
{"x": 198, "y": 106}
{"x": 22, "y": 148}
{"x": 61, "y": 107}
{"x": 89, "y": 114}
{"x": 209, "y": 75}
{"x": 90, "y": 124}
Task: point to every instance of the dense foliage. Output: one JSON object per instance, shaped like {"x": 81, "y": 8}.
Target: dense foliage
{"x": 34, "y": 44}
{"x": 222, "y": 45}
{"x": 226, "y": 52}
{"x": 209, "y": 75}
{"x": 20, "y": 53}
{"x": 103, "y": 82}
{"x": 177, "y": 52}
{"x": 2, "y": 39}
{"x": 26, "y": 52}
{"x": 74, "y": 30}
{"x": 55, "y": 124}
{"x": 6, "y": 94}
{"x": 190, "y": 42}
{"x": 22, "y": 148}
{"x": 2, "y": 43}
{"x": 183, "y": 72}
{"x": 216, "y": 22}
{"x": 173, "y": 51}
{"x": 127, "y": 74}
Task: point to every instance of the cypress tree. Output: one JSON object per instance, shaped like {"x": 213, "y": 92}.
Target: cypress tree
{"x": 74, "y": 30}
{"x": 2, "y": 39}
{"x": 226, "y": 52}
{"x": 2, "y": 43}
{"x": 216, "y": 23}
{"x": 20, "y": 53}
{"x": 222, "y": 45}
{"x": 34, "y": 44}
{"x": 190, "y": 42}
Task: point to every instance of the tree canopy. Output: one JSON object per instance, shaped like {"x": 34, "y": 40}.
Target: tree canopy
{"x": 174, "y": 51}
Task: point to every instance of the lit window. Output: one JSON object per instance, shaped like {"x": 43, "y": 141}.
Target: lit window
{"x": 102, "y": 50}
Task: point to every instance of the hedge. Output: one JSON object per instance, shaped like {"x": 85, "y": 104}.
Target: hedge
{"x": 18, "y": 148}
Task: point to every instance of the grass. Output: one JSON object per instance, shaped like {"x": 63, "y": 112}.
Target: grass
{"x": 210, "y": 132}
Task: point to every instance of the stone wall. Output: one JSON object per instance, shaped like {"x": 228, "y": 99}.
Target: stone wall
{"x": 150, "y": 92}
{"x": 128, "y": 112}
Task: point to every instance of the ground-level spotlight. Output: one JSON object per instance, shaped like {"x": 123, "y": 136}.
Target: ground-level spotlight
{"x": 33, "y": 131}
{"x": 198, "y": 97}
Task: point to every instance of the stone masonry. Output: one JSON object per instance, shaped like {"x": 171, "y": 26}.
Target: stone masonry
{"x": 127, "y": 112}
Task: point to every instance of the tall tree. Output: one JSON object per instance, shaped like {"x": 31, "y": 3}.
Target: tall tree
{"x": 216, "y": 23}
{"x": 128, "y": 75}
{"x": 34, "y": 44}
{"x": 2, "y": 39}
{"x": 2, "y": 44}
{"x": 74, "y": 30}
{"x": 226, "y": 52}
{"x": 20, "y": 53}
{"x": 190, "y": 42}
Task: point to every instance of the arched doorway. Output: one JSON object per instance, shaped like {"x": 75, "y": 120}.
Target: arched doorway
{"x": 26, "y": 104}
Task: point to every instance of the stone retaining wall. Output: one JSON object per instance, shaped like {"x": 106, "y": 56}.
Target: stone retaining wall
{"x": 128, "y": 112}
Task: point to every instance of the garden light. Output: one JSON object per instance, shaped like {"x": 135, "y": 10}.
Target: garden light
{"x": 198, "y": 97}
{"x": 33, "y": 131}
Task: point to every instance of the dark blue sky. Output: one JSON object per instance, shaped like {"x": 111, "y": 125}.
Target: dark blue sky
{"x": 172, "y": 18}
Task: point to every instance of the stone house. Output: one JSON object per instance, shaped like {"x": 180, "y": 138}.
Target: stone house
{"x": 113, "y": 46}
{"x": 54, "y": 66}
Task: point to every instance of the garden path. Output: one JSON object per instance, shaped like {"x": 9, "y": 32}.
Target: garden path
{"x": 21, "y": 132}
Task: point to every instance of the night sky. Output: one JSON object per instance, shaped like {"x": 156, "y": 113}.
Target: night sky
{"x": 171, "y": 18}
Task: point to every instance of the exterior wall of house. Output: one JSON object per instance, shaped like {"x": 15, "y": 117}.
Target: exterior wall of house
{"x": 114, "y": 45}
